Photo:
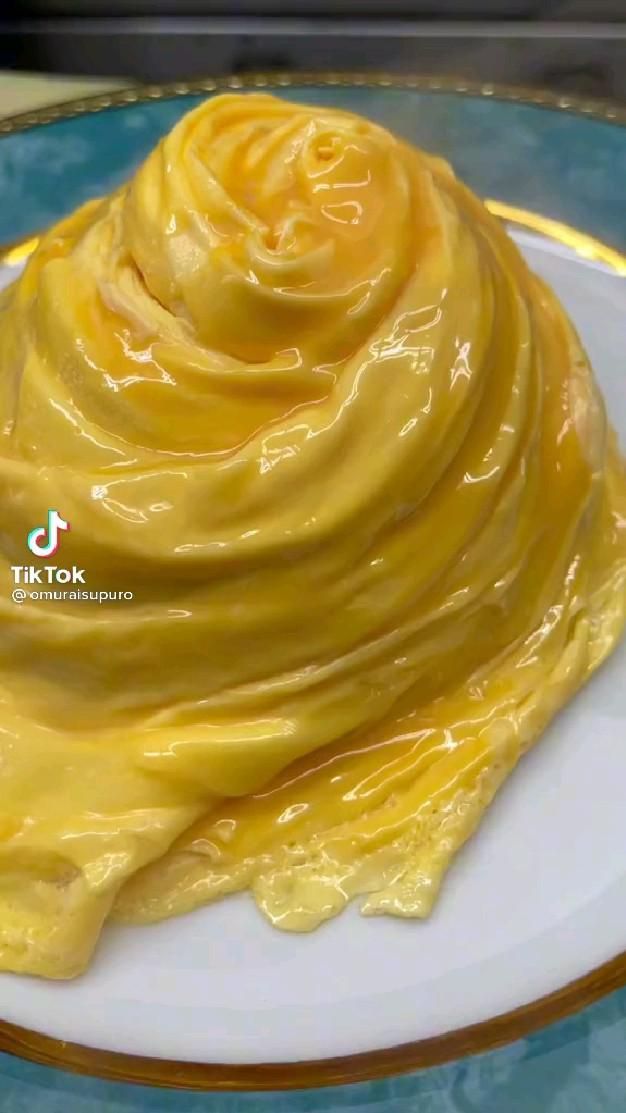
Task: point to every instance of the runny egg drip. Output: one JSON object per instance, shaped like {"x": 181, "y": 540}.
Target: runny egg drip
{"x": 297, "y": 390}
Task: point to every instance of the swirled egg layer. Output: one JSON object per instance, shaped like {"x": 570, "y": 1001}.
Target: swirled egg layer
{"x": 297, "y": 390}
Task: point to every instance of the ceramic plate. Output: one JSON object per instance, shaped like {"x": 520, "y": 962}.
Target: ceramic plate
{"x": 537, "y": 899}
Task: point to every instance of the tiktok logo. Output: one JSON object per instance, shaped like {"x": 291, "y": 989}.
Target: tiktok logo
{"x": 43, "y": 541}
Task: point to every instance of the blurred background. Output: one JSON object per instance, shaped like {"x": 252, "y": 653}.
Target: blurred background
{"x": 574, "y": 46}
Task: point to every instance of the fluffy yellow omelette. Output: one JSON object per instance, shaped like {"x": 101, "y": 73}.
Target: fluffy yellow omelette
{"x": 297, "y": 390}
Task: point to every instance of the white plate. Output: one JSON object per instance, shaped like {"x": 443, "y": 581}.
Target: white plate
{"x": 536, "y": 899}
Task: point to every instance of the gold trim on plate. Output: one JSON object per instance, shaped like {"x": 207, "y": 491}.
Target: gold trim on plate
{"x": 366, "y": 1066}
{"x": 402, "y": 1058}
{"x": 584, "y": 245}
{"x": 599, "y": 109}
{"x": 11, "y": 255}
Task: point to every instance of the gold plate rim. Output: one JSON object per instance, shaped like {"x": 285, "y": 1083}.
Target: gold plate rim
{"x": 363, "y": 1067}
{"x": 402, "y": 1058}
{"x": 609, "y": 111}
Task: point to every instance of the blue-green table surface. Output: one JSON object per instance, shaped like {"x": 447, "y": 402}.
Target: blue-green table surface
{"x": 560, "y": 164}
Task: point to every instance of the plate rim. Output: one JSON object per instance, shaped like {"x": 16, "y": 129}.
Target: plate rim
{"x": 405, "y": 1057}
{"x": 609, "y": 111}
{"x": 365, "y": 1066}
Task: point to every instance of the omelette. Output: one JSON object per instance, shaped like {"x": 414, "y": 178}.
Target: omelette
{"x": 334, "y": 467}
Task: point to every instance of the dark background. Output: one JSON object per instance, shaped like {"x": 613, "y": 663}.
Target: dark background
{"x": 568, "y": 45}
